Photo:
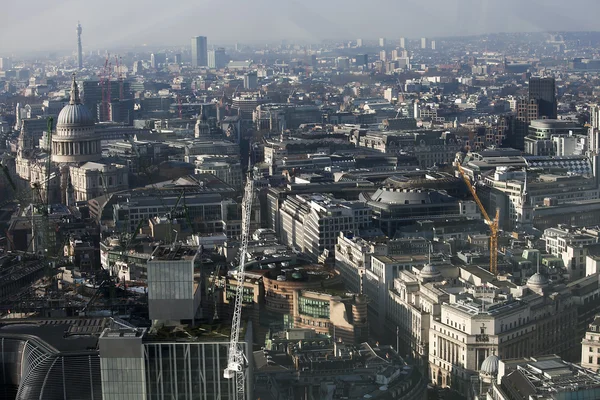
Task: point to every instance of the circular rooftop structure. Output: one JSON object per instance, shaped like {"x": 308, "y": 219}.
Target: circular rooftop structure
{"x": 429, "y": 271}
{"x": 422, "y": 182}
{"x": 489, "y": 366}
{"x": 537, "y": 281}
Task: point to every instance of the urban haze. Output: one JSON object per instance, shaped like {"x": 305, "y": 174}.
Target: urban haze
{"x": 300, "y": 200}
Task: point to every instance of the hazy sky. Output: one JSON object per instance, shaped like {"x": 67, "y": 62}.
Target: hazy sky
{"x": 50, "y": 25}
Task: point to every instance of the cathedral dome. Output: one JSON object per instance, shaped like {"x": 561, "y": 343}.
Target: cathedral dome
{"x": 75, "y": 139}
{"x": 75, "y": 114}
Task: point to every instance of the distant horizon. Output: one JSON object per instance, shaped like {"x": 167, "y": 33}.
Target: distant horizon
{"x": 42, "y": 26}
{"x": 164, "y": 46}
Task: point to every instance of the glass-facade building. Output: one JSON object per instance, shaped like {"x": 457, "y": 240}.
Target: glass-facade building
{"x": 136, "y": 366}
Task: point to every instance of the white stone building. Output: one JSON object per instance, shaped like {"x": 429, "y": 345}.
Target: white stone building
{"x": 76, "y": 171}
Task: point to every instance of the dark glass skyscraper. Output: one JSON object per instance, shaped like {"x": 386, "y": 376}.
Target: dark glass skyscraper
{"x": 199, "y": 51}
{"x": 544, "y": 91}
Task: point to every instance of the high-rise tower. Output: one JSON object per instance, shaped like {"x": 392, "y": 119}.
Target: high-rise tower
{"x": 199, "y": 51}
{"x": 543, "y": 89}
{"x": 79, "y": 51}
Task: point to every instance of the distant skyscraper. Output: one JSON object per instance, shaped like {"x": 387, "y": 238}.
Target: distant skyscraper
{"x": 359, "y": 42}
{"x": 251, "y": 81}
{"x": 178, "y": 58}
{"x": 423, "y": 43}
{"x": 595, "y": 116}
{"x": 382, "y": 55}
{"x": 544, "y": 91}
{"x": 217, "y": 58}
{"x": 5, "y": 64}
{"x": 156, "y": 59}
{"x": 403, "y": 42}
{"x": 433, "y": 45}
{"x": 137, "y": 67}
{"x": 79, "y": 51}
{"x": 381, "y": 42}
{"x": 199, "y": 51}
{"x": 362, "y": 60}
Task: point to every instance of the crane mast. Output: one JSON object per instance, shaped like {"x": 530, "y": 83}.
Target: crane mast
{"x": 235, "y": 362}
{"x": 493, "y": 224}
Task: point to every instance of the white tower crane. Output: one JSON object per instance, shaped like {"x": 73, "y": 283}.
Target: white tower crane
{"x": 236, "y": 359}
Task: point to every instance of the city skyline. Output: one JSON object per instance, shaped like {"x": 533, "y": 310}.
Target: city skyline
{"x": 268, "y": 21}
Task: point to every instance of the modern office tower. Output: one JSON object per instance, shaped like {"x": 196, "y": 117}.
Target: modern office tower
{"x": 433, "y": 45}
{"x": 595, "y": 116}
{"x": 382, "y": 55}
{"x": 173, "y": 294}
{"x": 178, "y": 58}
{"x": 362, "y": 59}
{"x": 544, "y": 91}
{"x": 5, "y": 64}
{"x": 199, "y": 51}
{"x": 403, "y": 42}
{"x": 381, "y": 42}
{"x": 138, "y": 67}
{"x": 359, "y": 42}
{"x": 251, "y": 80}
{"x": 79, "y": 51}
{"x": 92, "y": 96}
{"x": 160, "y": 363}
{"x": 157, "y": 59}
{"x": 217, "y": 58}
{"x": 423, "y": 43}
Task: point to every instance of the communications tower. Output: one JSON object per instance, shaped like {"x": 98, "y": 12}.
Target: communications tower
{"x": 79, "y": 51}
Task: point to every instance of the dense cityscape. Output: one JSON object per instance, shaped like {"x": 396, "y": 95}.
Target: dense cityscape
{"x": 375, "y": 218}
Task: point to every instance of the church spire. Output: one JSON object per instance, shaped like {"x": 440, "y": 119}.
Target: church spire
{"x": 74, "y": 92}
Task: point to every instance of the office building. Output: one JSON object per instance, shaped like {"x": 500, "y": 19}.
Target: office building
{"x": 245, "y": 104}
{"x": 359, "y": 42}
{"x": 173, "y": 293}
{"x": 594, "y": 116}
{"x": 546, "y": 377}
{"x": 5, "y": 64}
{"x": 403, "y": 43}
{"x": 199, "y": 51}
{"x": 423, "y": 43}
{"x": 311, "y": 223}
{"x": 553, "y": 137}
{"x": 382, "y": 55}
{"x": 51, "y": 358}
{"x": 362, "y": 60}
{"x": 543, "y": 89}
{"x": 177, "y": 59}
{"x": 217, "y": 59}
{"x": 227, "y": 169}
{"x": 157, "y": 60}
{"x": 433, "y": 45}
{"x": 382, "y": 42}
{"x": 251, "y": 80}
{"x": 138, "y": 67}
{"x": 395, "y": 208}
{"x": 184, "y": 362}
{"x": 325, "y": 368}
{"x": 91, "y": 93}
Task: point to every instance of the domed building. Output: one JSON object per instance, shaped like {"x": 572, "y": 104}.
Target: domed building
{"x": 75, "y": 139}
{"x": 77, "y": 172}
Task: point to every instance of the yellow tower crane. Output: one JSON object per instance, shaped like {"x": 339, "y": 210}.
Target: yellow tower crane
{"x": 493, "y": 224}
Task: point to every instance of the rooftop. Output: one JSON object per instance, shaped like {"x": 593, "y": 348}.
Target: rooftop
{"x": 174, "y": 253}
